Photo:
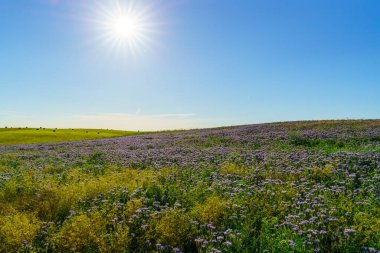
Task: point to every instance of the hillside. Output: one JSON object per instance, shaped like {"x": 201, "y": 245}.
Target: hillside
{"x": 281, "y": 187}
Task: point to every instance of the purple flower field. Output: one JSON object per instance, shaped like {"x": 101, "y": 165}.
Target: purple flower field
{"x": 281, "y": 187}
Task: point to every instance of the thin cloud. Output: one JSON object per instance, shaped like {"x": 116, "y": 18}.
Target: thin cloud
{"x": 134, "y": 121}
{"x": 122, "y": 121}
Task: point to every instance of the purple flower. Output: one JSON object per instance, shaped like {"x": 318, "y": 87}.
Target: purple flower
{"x": 349, "y": 231}
{"x": 292, "y": 243}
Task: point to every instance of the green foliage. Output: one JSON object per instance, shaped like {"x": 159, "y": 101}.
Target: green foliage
{"x": 174, "y": 227}
{"x": 96, "y": 158}
{"x": 322, "y": 173}
{"x": 17, "y": 229}
{"x": 95, "y": 164}
{"x": 295, "y": 138}
{"x": 210, "y": 141}
{"x": 93, "y": 232}
{"x": 212, "y": 210}
{"x": 233, "y": 168}
{"x": 79, "y": 234}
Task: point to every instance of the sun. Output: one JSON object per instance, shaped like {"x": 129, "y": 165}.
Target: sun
{"x": 126, "y": 27}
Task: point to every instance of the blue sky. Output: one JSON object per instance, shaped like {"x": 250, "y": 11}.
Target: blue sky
{"x": 202, "y": 63}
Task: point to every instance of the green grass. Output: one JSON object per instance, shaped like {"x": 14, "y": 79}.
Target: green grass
{"x": 15, "y": 136}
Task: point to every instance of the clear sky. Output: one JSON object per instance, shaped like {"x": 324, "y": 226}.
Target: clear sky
{"x": 192, "y": 63}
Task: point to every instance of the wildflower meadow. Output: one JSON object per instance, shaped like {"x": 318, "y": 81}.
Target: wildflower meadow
{"x": 281, "y": 187}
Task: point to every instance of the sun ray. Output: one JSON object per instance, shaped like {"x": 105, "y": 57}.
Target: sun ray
{"x": 125, "y": 27}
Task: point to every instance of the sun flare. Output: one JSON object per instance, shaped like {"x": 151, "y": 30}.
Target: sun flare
{"x": 127, "y": 28}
